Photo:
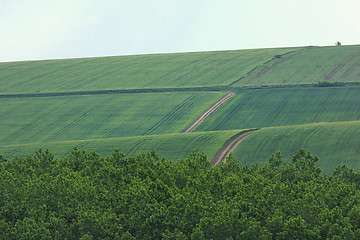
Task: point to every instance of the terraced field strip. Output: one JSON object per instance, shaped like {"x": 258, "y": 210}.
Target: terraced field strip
{"x": 34, "y": 120}
{"x": 208, "y": 112}
{"x": 255, "y": 67}
{"x": 197, "y": 69}
{"x": 230, "y": 146}
{"x": 258, "y": 108}
{"x": 170, "y": 146}
{"x": 334, "y": 143}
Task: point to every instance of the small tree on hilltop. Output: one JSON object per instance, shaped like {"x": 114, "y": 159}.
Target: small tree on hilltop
{"x": 338, "y": 43}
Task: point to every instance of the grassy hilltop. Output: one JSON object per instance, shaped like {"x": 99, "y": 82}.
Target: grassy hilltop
{"x": 307, "y": 66}
{"x": 132, "y": 72}
{"x": 276, "y": 91}
{"x": 283, "y": 66}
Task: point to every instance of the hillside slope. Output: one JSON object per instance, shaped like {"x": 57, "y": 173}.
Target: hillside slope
{"x": 34, "y": 120}
{"x": 274, "y": 88}
{"x": 335, "y": 144}
{"x": 132, "y": 72}
{"x": 171, "y": 146}
{"x": 307, "y": 66}
{"x": 237, "y": 68}
{"x": 256, "y": 108}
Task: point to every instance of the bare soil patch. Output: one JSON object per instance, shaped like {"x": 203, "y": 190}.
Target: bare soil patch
{"x": 230, "y": 146}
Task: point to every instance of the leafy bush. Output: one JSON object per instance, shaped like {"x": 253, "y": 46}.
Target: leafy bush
{"x": 329, "y": 84}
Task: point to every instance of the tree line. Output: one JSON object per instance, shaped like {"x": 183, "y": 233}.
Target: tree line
{"x": 85, "y": 196}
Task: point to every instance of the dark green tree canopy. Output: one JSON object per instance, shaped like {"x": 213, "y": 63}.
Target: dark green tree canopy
{"x": 85, "y": 196}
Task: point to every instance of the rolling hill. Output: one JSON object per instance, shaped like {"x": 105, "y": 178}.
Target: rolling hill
{"x": 144, "y": 102}
{"x": 67, "y": 118}
{"x": 170, "y": 146}
{"x": 239, "y": 68}
{"x": 307, "y": 66}
{"x": 256, "y": 108}
{"x": 334, "y": 143}
{"x": 132, "y": 72}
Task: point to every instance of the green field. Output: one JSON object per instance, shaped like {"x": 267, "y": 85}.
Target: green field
{"x": 132, "y": 72}
{"x": 249, "y": 102}
{"x": 307, "y": 66}
{"x": 171, "y": 146}
{"x": 258, "y": 108}
{"x": 278, "y": 66}
{"x": 274, "y": 92}
{"x": 335, "y": 144}
{"x": 47, "y": 119}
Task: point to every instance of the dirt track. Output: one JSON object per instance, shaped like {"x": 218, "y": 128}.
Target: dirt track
{"x": 208, "y": 112}
{"x": 229, "y": 146}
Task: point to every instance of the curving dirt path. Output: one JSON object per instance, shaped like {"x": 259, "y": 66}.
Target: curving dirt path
{"x": 203, "y": 116}
{"x": 230, "y": 146}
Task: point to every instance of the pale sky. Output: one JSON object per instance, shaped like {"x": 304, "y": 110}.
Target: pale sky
{"x": 52, "y": 29}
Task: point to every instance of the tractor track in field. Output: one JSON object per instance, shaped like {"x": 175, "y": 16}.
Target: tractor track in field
{"x": 208, "y": 112}
{"x": 230, "y": 146}
{"x": 190, "y": 128}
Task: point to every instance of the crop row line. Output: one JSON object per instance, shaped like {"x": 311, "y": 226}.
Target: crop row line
{"x": 174, "y": 111}
{"x": 206, "y": 114}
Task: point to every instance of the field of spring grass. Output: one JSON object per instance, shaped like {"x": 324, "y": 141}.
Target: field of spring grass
{"x": 170, "y": 146}
{"x": 307, "y": 66}
{"x": 256, "y": 108}
{"x": 47, "y": 119}
{"x": 132, "y": 72}
{"x": 239, "y": 68}
{"x": 334, "y": 143}
{"x": 290, "y": 114}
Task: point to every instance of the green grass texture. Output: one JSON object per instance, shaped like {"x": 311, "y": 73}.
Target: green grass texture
{"x": 170, "y": 146}
{"x": 307, "y": 66}
{"x": 334, "y": 143}
{"x": 132, "y": 72}
{"x": 136, "y": 122}
{"x": 257, "y": 108}
{"x": 237, "y": 68}
{"x": 47, "y": 119}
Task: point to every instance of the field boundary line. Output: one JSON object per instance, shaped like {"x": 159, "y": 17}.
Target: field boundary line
{"x": 230, "y": 146}
{"x": 116, "y": 91}
{"x": 221, "y": 88}
{"x": 207, "y": 113}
